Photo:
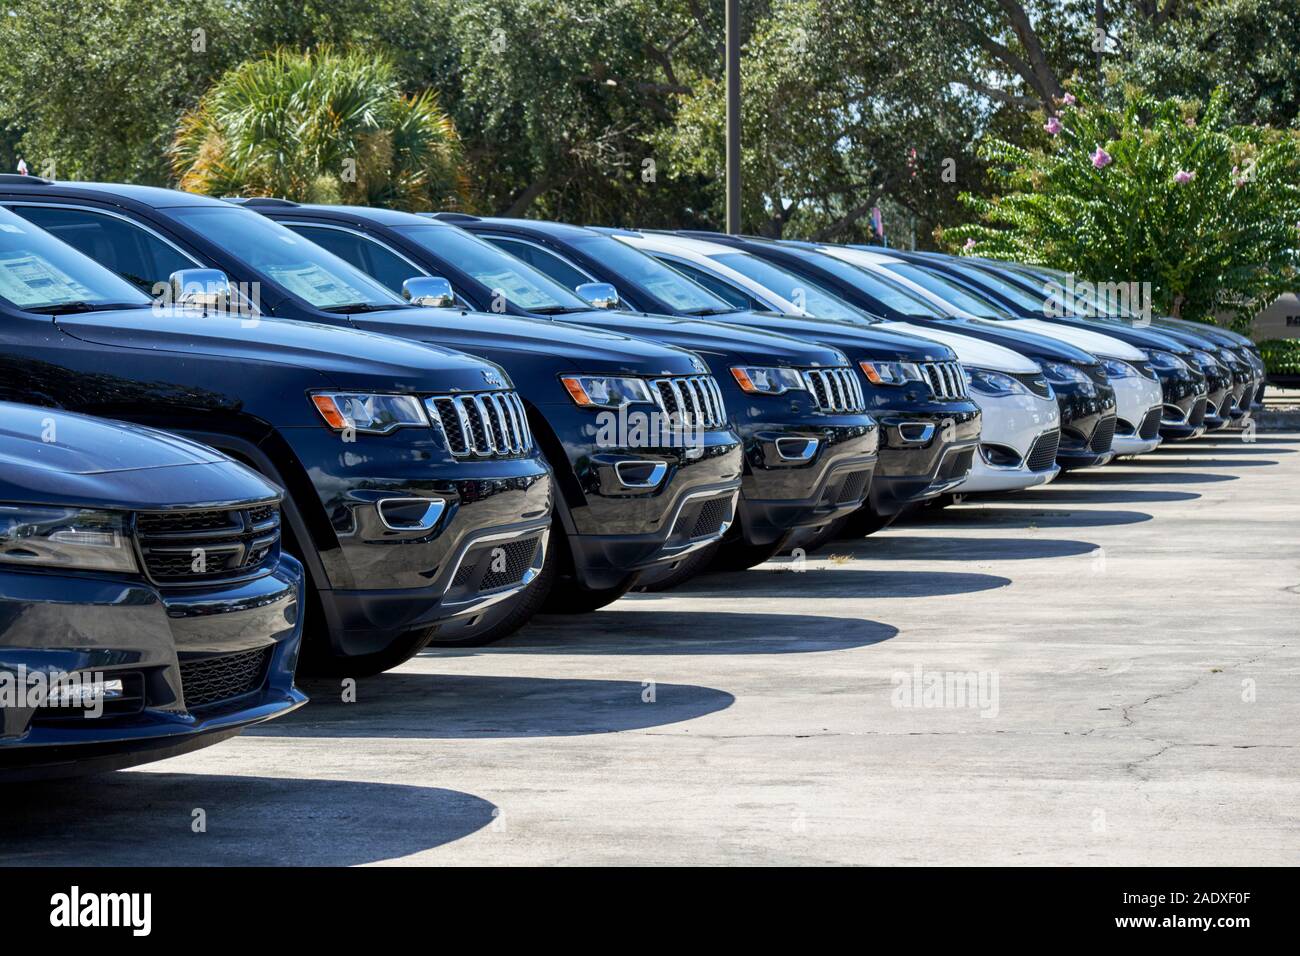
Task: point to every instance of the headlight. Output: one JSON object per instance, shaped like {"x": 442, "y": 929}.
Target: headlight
{"x": 1165, "y": 360}
{"x": 988, "y": 382}
{"x": 1204, "y": 359}
{"x": 604, "y": 391}
{"x": 767, "y": 381}
{"x": 1058, "y": 373}
{"x": 372, "y": 414}
{"x": 1117, "y": 369}
{"x": 65, "y": 537}
{"x": 890, "y": 373}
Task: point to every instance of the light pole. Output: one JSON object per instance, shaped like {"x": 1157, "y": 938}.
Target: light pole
{"x": 733, "y": 116}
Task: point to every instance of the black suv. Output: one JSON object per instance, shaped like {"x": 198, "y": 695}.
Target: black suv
{"x": 913, "y": 386}
{"x": 146, "y": 608}
{"x": 810, "y": 448}
{"x": 392, "y": 524}
{"x": 625, "y": 503}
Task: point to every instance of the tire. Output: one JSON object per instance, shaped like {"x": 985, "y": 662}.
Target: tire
{"x": 693, "y": 564}
{"x": 862, "y": 523}
{"x": 569, "y": 597}
{"x": 738, "y": 556}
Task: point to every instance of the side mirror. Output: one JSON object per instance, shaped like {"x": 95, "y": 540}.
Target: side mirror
{"x": 431, "y": 291}
{"x": 600, "y": 294}
{"x": 199, "y": 289}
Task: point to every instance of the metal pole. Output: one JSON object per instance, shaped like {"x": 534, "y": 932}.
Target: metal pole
{"x": 733, "y": 116}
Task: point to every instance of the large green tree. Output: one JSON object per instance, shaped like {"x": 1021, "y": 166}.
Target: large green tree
{"x": 1164, "y": 192}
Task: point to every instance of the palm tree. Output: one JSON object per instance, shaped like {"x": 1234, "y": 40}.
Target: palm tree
{"x": 320, "y": 126}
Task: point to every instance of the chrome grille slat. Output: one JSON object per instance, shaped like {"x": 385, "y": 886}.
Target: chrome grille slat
{"x": 697, "y": 395}
{"x": 946, "y": 379}
{"x": 835, "y": 390}
{"x": 482, "y": 424}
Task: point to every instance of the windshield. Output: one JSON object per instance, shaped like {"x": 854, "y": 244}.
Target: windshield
{"x": 299, "y": 265}
{"x": 1089, "y": 300}
{"x": 1014, "y": 291}
{"x": 813, "y": 299}
{"x": 39, "y": 273}
{"x": 652, "y": 277}
{"x": 947, "y": 290}
{"x": 882, "y": 290}
{"x": 522, "y": 285}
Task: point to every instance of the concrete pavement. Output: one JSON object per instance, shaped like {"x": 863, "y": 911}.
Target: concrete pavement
{"x": 1101, "y": 671}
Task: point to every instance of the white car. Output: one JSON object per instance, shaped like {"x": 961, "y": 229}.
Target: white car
{"x": 1021, "y": 420}
{"x": 1136, "y": 396}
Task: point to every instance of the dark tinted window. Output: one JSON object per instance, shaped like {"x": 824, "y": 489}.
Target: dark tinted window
{"x": 539, "y": 258}
{"x": 721, "y": 289}
{"x": 130, "y": 251}
{"x": 366, "y": 254}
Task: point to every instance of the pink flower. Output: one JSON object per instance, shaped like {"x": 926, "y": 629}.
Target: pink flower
{"x": 1183, "y": 176}
{"x": 1053, "y": 125}
{"x": 1237, "y": 179}
{"x": 1101, "y": 158}
{"x": 970, "y": 244}
{"x": 1068, "y": 99}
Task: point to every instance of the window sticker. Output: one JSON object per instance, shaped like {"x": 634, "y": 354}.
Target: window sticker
{"x": 309, "y": 281}
{"x": 27, "y": 280}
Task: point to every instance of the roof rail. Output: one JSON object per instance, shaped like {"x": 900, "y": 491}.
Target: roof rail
{"x": 451, "y": 216}
{"x": 8, "y": 178}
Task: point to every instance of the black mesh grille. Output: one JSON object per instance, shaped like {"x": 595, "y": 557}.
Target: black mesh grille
{"x": 854, "y": 487}
{"x": 1197, "y": 414}
{"x": 956, "y": 465}
{"x": 1043, "y": 455}
{"x": 711, "y": 517}
{"x": 199, "y": 547}
{"x": 1103, "y": 436}
{"x": 518, "y": 558}
{"x": 1150, "y": 426}
{"x": 211, "y": 680}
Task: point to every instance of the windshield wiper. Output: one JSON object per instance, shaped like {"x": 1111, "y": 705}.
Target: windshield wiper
{"x": 353, "y": 308}
{"x": 712, "y": 311}
{"x": 563, "y": 309}
{"x": 80, "y": 305}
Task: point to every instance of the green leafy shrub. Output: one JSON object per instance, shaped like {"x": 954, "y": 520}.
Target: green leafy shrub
{"x": 320, "y": 126}
{"x": 1281, "y": 356}
{"x": 1160, "y": 191}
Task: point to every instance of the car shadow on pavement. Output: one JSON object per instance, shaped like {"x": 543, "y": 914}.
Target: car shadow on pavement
{"x": 1124, "y": 476}
{"x": 637, "y": 626}
{"x": 810, "y": 578}
{"x": 892, "y": 547}
{"x": 459, "y": 707}
{"x": 1195, "y": 463}
{"x": 1075, "y": 495}
{"x": 1018, "y": 517}
{"x": 1242, "y": 448}
{"x": 146, "y": 818}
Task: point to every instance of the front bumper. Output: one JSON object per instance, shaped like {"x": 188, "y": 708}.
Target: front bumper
{"x": 1088, "y": 420}
{"x": 386, "y": 580}
{"x": 196, "y": 665}
{"x": 627, "y": 509}
{"x": 1018, "y": 443}
{"x": 1184, "y": 397}
{"x": 1138, "y": 412}
{"x": 923, "y": 454}
{"x": 805, "y": 475}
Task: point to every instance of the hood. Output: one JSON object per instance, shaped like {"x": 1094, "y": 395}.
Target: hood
{"x": 731, "y": 343}
{"x": 1009, "y": 335}
{"x": 51, "y": 457}
{"x": 1097, "y": 343}
{"x": 346, "y": 358}
{"x": 506, "y": 339}
{"x": 1193, "y": 338}
{"x": 857, "y": 340}
{"x": 972, "y": 351}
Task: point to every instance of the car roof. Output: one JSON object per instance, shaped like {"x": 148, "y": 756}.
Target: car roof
{"x": 154, "y": 196}
{"x": 560, "y": 230}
